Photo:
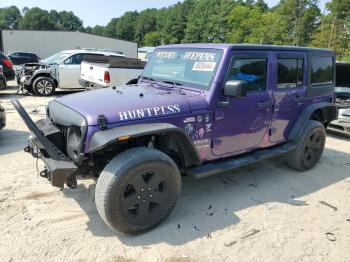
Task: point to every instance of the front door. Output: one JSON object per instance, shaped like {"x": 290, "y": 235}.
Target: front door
{"x": 69, "y": 72}
{"x": 289, "y": 92}
{"x": 242, "y": 125}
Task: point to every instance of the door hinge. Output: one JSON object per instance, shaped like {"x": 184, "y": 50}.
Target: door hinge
{"x": 101, "y": 120}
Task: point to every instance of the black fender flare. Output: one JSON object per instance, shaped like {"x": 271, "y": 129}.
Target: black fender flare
{"x": 102, "y": 139}
{"x": 328, "y": 110}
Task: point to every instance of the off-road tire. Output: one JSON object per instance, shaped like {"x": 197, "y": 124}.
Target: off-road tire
{"x": 310, "y": 147}
{"x": 44, "y": 86}
{"x": 119, "y": 199}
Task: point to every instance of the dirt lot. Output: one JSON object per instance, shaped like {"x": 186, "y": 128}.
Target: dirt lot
{"x": 264, "y": 212}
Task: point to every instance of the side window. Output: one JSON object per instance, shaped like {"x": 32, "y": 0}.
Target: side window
{"x": 74, "y": 59}
{"x": 252, "y": 70}
{"x": 290, "y": 72}
{"x": 321, "y": 70}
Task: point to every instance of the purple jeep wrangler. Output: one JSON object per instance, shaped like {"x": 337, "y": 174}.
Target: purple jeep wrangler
{"x": 197, "y": 110}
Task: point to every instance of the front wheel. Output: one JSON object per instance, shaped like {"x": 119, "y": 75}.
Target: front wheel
{"x": 137, "y": 190}
{"x": 44, "y": 86}
{"x": 309, "y": 147}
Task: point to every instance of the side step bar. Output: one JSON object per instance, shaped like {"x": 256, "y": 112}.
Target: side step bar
{"x": 221, "y": 166}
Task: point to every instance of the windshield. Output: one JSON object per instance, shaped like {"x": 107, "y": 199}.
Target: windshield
{"x": 56, "y": 58}
{"x": 194, "y": 67}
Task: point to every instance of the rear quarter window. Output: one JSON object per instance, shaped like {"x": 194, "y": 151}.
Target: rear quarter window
{"x": 290, "y": 72}
{"x": 322, "y": 70}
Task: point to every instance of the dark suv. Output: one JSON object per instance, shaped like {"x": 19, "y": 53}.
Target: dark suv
{"x": 197, "y": 110}
{"x": 7, "y": 65}
{"x": 20, "y": 58}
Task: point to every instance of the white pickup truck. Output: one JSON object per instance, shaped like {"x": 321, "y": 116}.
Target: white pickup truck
{"x": 100, "y": 72}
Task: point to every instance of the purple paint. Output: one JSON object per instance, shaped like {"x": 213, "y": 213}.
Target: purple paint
{"x": 262, "y": 119}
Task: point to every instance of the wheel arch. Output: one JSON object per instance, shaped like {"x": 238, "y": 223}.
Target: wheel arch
{"x": 323, "y": 112}
{"x": 168, "y": 136}
{"x": 44, "y": 74}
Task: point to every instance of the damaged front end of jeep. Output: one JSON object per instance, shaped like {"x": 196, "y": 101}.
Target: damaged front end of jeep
{"x": 58, "y": 141}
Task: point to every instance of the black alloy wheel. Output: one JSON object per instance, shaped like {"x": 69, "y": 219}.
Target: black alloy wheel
{"x": 137, "y": 190}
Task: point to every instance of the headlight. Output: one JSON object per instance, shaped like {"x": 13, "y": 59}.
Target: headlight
{"x": 72, "y": 125}
{"x": 74, "y": 141}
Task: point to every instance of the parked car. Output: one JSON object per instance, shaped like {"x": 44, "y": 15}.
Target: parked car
{"x": 144, "y": 53}
{"x": 61, "y": 70}
{"x": 101, "y": 72}
{"x": 197, "y": 110}
{"x": 2, "y": 117}
{"x": 3, "y": 82}
{"x": 7, "y": 65}
{"x": 20, "y": 58}
{"x": 342, "y": 96}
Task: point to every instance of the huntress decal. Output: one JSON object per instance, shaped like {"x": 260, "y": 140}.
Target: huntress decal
{"x": 149, "y": 112}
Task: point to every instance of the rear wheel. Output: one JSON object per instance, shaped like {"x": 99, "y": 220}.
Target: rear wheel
{"x": 310, "y": 147}
{"x": 44, "y": 86}
{"x": 137, "y": 190}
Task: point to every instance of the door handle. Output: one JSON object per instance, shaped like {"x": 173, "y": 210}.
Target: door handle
{"x": 266, "y": 103}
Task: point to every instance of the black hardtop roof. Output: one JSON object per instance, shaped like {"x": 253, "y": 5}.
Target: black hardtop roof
{"x": 281, "y": 48}
{"x": 253, "y": 47}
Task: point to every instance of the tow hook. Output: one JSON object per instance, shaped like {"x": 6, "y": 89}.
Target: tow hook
{"x": 27, "y": 149}
{"x": 72, "y": 182}
{"x": 44, "y": 173}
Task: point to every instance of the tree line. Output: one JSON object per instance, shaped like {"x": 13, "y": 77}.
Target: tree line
{"x": 290, "y": 22}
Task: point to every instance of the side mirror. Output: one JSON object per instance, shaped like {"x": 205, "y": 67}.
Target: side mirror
{"x": 236, "y": 88}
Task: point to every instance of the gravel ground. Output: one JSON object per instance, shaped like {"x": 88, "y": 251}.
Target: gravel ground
{"x": 263, "y": 212}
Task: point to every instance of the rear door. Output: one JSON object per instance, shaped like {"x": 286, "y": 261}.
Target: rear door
{"x": 69, "y": 71}
{"x": 289, "y": 92}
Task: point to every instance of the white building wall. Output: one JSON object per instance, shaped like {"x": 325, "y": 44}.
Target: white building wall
{"x": 47, "y": 43}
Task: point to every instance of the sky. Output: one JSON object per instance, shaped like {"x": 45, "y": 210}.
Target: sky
{"x": 100, "y": 12}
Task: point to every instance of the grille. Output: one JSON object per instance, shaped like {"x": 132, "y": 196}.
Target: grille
{"x": 63, "y": 129}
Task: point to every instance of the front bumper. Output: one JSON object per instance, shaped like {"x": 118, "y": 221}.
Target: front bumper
{"x": 60, "y": 169}
{"x": 340, "y": 126}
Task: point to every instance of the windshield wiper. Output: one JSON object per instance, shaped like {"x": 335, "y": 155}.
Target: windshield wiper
{"x": 147, "y": 78}
{"x": 172, "y": 83}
